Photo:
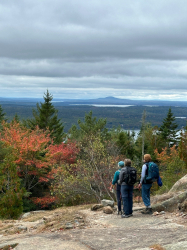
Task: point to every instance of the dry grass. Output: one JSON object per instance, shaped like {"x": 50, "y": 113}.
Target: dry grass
{"x": 5, "y": 227}
{"x": 58, "y": 218}
{"x": 157, "y": 247}
{"x": 48, "y": 220}
{"x": 63, "y": 213}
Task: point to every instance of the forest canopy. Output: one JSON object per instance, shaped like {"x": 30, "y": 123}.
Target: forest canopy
{"x": 41, "y": 166}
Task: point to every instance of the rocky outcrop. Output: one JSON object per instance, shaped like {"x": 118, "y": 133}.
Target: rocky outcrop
{"x": 171, "y": 204}
{"x": 180, "y": 185}
{"x": 160, "y": 198}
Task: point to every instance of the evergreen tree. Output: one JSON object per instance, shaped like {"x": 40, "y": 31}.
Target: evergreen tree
{"x": 16, "y": 118}
{"x": 89, "y": 126}
{"x": 125, "y": 142}
{"x": 2, "y": 115}
{"x": 46, "y": 117}
{"x": 183, "y": 145}
{"x": 143, "y": 133}
{"x": 168, "y": 129}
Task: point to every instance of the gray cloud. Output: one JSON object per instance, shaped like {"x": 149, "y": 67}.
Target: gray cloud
{"x": 75, "y": 48}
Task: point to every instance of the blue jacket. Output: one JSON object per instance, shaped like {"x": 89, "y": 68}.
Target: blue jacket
{"x": 116, "y": 177}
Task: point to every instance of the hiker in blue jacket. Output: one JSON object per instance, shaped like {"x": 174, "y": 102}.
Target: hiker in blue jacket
{"x": 146, "y": 186}
{"x": 118, "y": 189}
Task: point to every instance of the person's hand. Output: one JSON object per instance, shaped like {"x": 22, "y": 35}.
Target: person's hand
{"x": 139, "y": 186}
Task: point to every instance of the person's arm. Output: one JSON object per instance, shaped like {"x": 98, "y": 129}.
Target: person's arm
{"x": 144, "y": 167}
{"x": 111, "y": 187}
{"x": 143, "y": 173}
{"x": 116, "y": 175}
{"x": 114, "y": 181}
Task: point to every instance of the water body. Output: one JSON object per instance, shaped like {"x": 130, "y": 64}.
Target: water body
{"x": 104, "y": 105}
{"x": 137, "y": 131}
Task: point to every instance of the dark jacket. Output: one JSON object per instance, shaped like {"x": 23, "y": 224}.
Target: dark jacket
{"x": 122, "y": 174}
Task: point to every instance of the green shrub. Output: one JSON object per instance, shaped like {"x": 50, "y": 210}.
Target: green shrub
{"x": 11, "y": 205}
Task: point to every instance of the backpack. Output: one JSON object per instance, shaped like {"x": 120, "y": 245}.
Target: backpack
{"x": 152, "y": 172}
{"x": 130, "y": 176}
{"x": 159, "y": 181}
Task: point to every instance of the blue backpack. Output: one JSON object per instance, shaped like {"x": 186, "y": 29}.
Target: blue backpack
{"x": 152, "y": 173}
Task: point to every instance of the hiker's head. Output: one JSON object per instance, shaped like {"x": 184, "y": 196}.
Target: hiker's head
{"x": 127, "y": 162}
{"x": 147, "y": 158}
{"x": 121, "y": 164}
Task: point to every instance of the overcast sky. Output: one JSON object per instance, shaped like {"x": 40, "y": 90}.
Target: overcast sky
{"x": 134, "y": 49}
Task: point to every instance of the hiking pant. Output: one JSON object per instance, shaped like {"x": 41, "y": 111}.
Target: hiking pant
{"x": 118, "y": 192}
{"x": 126, "y": 192}
{"x": 146, "y": 194}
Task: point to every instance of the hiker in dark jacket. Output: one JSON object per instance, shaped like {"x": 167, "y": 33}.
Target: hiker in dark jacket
{"x": 118, "y": 188}
{"x": 146, "y": 186}
{"x": 126, "y": 191}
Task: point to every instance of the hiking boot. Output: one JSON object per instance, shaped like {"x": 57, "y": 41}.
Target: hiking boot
{"x": 144, "y": 210}
{"x": 125, "y": 216}
{"x": 130, "y": 215}
{"x": 148, "y": 210}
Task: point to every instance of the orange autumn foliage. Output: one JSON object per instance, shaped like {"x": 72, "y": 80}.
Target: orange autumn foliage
{"x": 63, "y": 153}
{"x": 27, "y": 147}
{"x": 167, "y": 155}
{"x": 172, "y": 167}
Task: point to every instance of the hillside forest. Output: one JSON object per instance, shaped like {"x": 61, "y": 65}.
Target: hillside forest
{"x": 42, "y": 167}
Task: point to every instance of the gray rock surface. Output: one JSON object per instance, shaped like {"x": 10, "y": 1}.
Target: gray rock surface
{"x": 180, "y": 185}
{"x": 24, "y": 228}
{"x": 177, "y": 246}
{"x": 116, "y": 233}
{"x": 170, "y": 204}
{"x": 107, "y": 203}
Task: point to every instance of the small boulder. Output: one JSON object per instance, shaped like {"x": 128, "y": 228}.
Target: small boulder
{"x": 155, "y": 213}
{"x": 23, "y": 228}
{"x": 106, "y": 203}
{"x": 96, "y": 207}
{"x": 68, "y": 226}
{"x": 25, "y": 215}
{"x": 107, "y": 210}
{"x": 162, "y": 212}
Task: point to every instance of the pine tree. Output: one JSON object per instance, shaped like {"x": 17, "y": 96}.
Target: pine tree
{"x": 168, "y": 129}
{"x": 143, "y": 133}
{"x": 46, "y": 117}
{"x": 90, "y": 125}
{"x": 125, "y": 142}
{"x": 2, "y": 115}
{"x": 16, "y": 118}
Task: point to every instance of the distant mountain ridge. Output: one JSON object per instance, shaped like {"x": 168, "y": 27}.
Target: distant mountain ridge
{"x": 110, "y": 100}
{"x": 117, "y": 101}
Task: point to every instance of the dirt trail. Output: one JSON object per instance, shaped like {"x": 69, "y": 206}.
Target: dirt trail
{"x": 108, "y": 232}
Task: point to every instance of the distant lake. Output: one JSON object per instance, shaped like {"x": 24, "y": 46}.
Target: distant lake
{"x": 106, "y": 105}
{"x": 136, "y": 131}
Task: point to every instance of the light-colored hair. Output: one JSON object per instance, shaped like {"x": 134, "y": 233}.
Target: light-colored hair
{"x": 127, "y": 162}
{"x": 147, "y": 158}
